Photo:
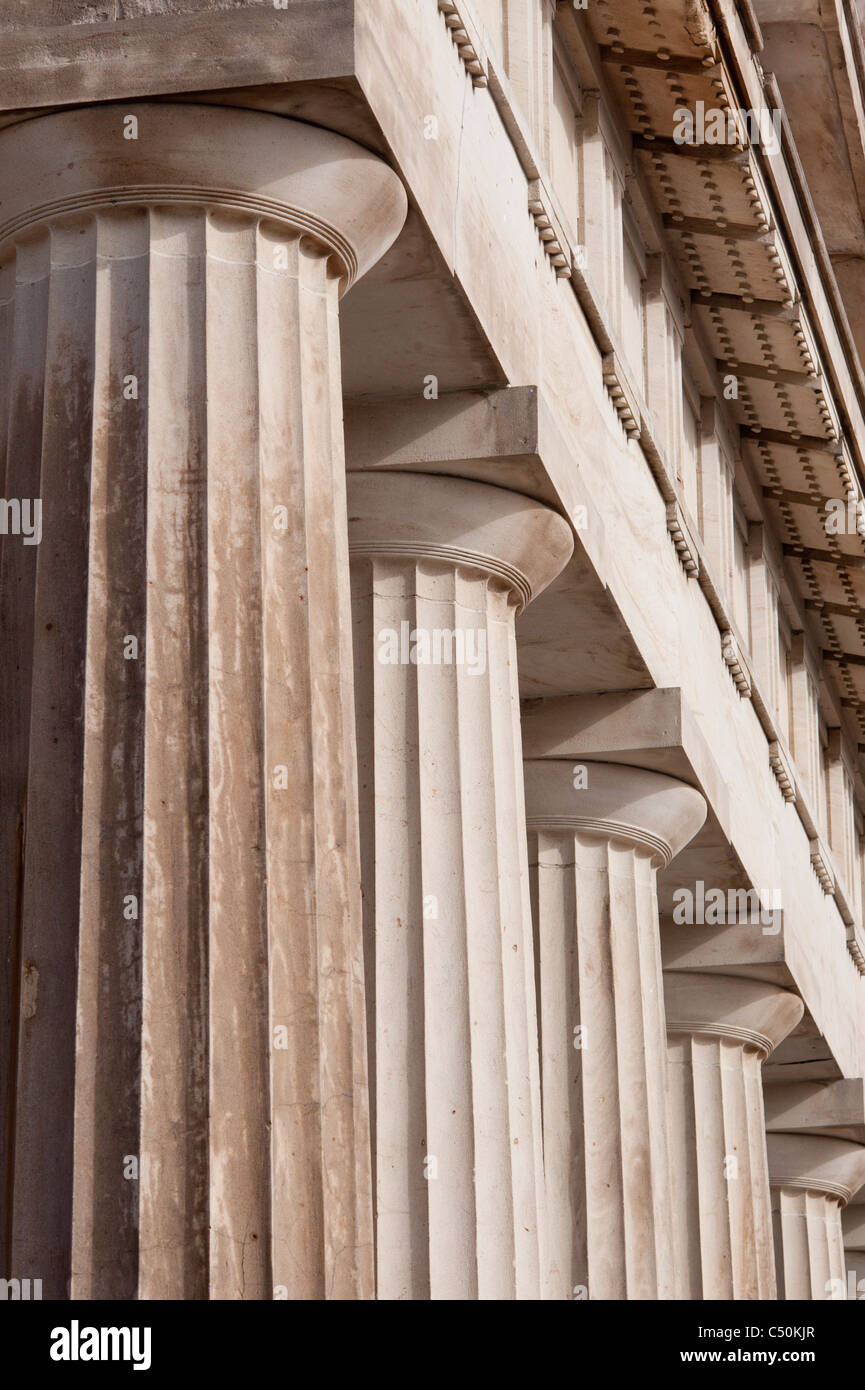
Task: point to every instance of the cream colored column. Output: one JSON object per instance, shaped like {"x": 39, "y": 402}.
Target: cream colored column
{"x": 598, "y": 833}
{"x": 190, "y": 1107}
{"x": 720, "y": 1031}
{"x": 853, "y": 1227}
{"x": 813, "y": 1178}
{"x": 440, "y": 568}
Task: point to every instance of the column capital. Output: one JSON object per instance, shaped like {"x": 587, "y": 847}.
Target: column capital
{"x": 167, "y": 154}
{"x": 425, "y": 516}
{"x": 814, "y": 1163}
{"x": 748, "y": 1012}
{"x": 631, "y": 804}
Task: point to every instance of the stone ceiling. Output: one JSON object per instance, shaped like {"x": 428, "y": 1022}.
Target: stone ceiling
{"x": 748, "y": 298}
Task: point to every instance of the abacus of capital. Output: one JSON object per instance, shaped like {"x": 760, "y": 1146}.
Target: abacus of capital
{"x": 398, "y": 624}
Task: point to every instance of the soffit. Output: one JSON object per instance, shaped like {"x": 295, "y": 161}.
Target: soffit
{"x": 732, "y": 256}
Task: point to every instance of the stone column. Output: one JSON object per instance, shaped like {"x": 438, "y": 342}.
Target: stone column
{"x": 720, "y": 1031}
{"x": 188, "y": 1090}
{"x": 813, "y": 1177}
{"x": 853, "y": 1227}
{"x": 440, "y": 568}
{"x": 598, "y": 834}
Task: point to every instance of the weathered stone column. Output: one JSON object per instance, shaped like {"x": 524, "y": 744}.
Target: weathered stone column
{"x": 440, "y": 568}
{"x": 190, "y": 1117}
{"x": 720, "y": 1031}
{"x": 813, "y": 1177}
{"x": 853, "y": 1227}
{"x": 598, "y": 833}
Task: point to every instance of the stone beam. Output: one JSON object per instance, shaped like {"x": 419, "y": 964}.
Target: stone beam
{"x": 835, "y": 1108}
{"x": 737, "y": 946}
{"x": 257, "y": 45}
{"x": 493, "y": 436}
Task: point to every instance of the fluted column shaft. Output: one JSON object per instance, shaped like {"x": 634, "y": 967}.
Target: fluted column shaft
{"x": 720, "y": 1031}
{"x": 598, "y": 833}
{"x": 813, "y": 1178}
{"x": 853, "y": 1227}
{"x": 440, "y": 567}
{"x": 188, "y": 1060}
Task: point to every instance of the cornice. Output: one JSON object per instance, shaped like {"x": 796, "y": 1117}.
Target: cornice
{"x": 549, "y": 229}
{"x": 683, "y": 540}
{"x": 465, "y": 40}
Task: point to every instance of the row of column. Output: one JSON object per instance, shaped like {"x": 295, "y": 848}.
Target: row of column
{"x": 276, "y": 848}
